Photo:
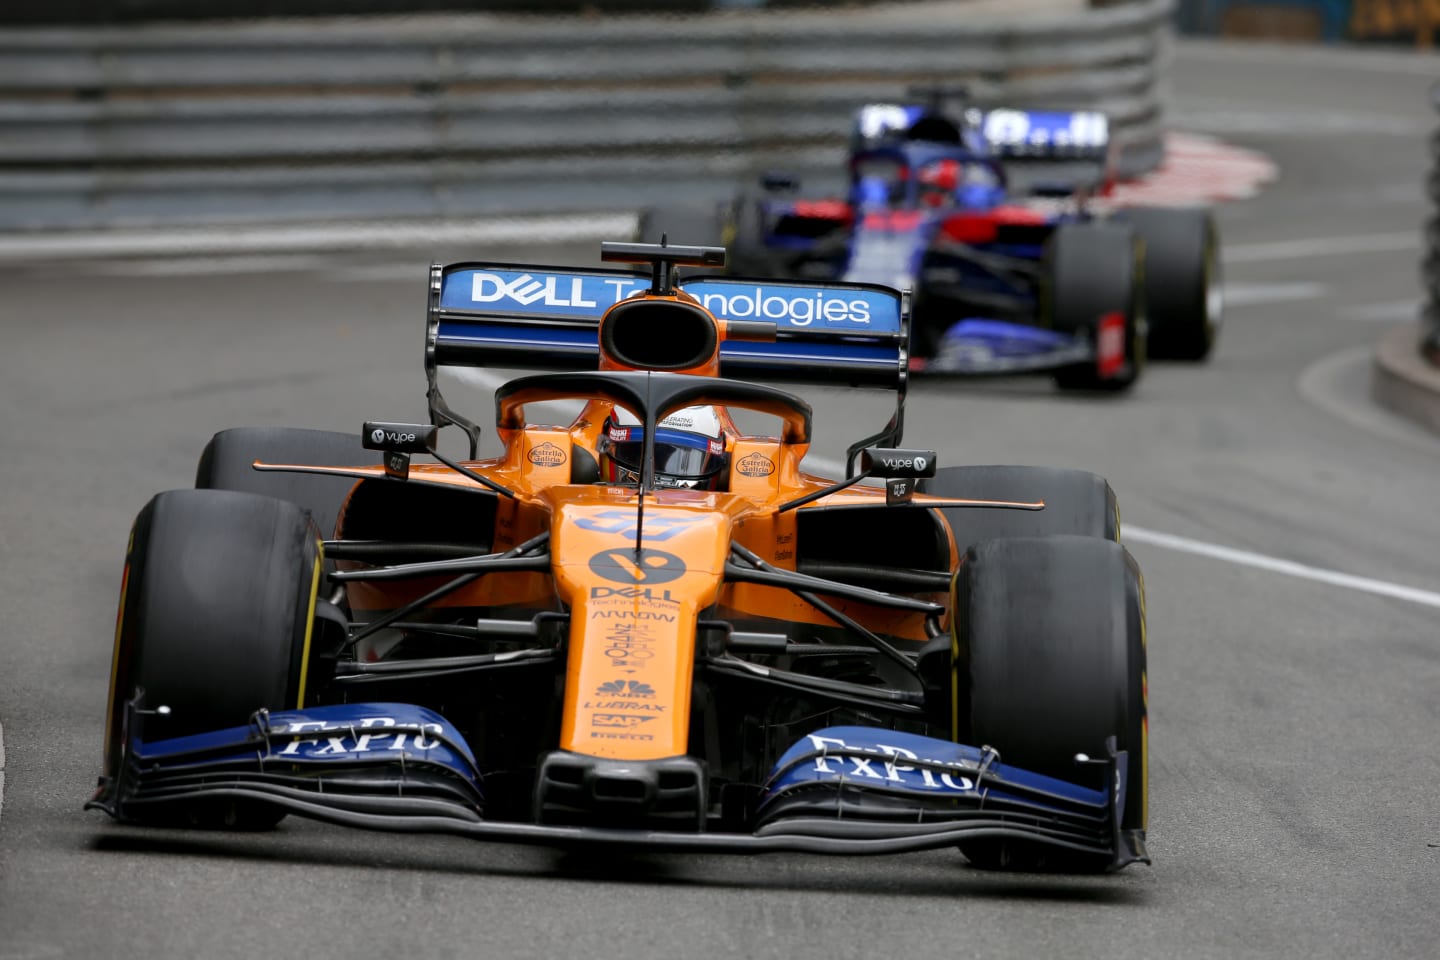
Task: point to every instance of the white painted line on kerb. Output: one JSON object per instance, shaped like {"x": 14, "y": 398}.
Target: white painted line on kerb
{"x": 1289, "y": 568}
{"x": 1321, "y": 246}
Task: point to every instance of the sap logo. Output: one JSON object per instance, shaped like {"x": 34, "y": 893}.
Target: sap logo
{"x": 1016, "y": 128}
{"x": 847, "y": 761}
{"x": 621, "y": 720}
{"x": 905, "y": 463}
{"x": 799, "y": 309}
{"x": 527, "y": 290}
{"x": 352, "y": 742}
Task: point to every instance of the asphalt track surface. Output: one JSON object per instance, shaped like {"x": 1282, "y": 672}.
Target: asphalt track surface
{"x": 1295, "y": 724}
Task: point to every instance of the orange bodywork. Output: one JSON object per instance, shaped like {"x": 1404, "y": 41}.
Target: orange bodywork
{"x": 633, "y": 616}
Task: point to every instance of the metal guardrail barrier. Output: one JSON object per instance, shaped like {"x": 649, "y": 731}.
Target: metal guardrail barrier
{"x": 476, "y": 115}
{"x": 1430, "y": 266}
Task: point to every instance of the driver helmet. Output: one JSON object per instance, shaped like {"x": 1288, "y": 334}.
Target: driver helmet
{"x": 938, "y": 182}
{"x": 689, "y": 449}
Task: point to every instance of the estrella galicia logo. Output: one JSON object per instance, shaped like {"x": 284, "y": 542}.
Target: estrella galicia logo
{"x": 621, "y": 565}
{"x": 547, "y": 455}
{"x": 630, "y": 689}
{"x": 756, "y": 465}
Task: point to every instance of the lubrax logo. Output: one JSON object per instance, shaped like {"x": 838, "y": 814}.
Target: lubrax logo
{"x": 551, "y": 291}
{"x": 798, "y": 308}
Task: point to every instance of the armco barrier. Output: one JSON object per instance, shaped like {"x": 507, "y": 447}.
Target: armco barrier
{"x": 1430, "y": 268}
{"x": 484, "y": 114}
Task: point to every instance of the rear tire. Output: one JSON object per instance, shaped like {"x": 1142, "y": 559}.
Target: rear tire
{"x": 226, "y": 462}
{"x": 1183, "y": 293}
{"x": 1051, "y": 635}
{"x": 1091, "y": 271}
{"x": 1076, "y": 502}
{"x": 743, "y": 233}
{"x": 217, "y": 616}
{"x": 682, "y": 224}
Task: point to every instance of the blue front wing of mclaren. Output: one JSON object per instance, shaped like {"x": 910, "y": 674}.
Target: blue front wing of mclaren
{"x": 839, "y": 790}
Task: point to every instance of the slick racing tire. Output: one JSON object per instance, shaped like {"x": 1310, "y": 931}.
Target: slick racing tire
{"x": 1076, "y": 502}
{"x": 217, "y": 612}
{"x": 1051, "y": 639}
{"x": 743, "y": 234}
{"x": 226, "y": 462}
{"x": 1091, "y": 273}
{"x": 1184, "y": 298}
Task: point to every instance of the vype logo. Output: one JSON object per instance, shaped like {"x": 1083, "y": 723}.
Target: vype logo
{"x": 905, "y": 463}
{"x": 552, "y": 291}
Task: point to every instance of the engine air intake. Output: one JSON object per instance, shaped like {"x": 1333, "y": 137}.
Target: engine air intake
{"x": 658, "y": 335}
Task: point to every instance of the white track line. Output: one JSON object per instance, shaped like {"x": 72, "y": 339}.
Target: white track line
{"x": 2, "y": 769}
{"x": 1322, "y": 246}
{"x": 1289, "y": 568}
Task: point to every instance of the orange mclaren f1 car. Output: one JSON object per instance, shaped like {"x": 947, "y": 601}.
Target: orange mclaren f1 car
{"x": 643, "y": 627}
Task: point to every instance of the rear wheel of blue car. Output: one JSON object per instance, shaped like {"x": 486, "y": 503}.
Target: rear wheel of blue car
{"x": 217, "y": 612}
{"x": 1091, "y": 288}
{"x": 1183, "y": 294}
{"x": 1050, "y": 636}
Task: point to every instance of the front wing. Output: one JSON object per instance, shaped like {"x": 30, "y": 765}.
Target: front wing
{"x": 847, "y": 790}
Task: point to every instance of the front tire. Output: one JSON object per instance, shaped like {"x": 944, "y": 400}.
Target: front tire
{"x": 1091, "y": 288}
{"x": 216, "y": 620}
{"x": 1051, "y": 639}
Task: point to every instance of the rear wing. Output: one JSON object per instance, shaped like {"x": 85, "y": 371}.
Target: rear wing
{"x": 548, "y": 318}
{"x": 1049, "y": 152}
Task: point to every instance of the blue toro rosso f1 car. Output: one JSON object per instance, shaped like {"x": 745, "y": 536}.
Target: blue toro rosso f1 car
{"x": 642, "y": 627}
{"x": 987, "y": 217}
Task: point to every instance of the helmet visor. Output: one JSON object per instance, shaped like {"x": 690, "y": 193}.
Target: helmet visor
{"x": 679, "y": 455}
